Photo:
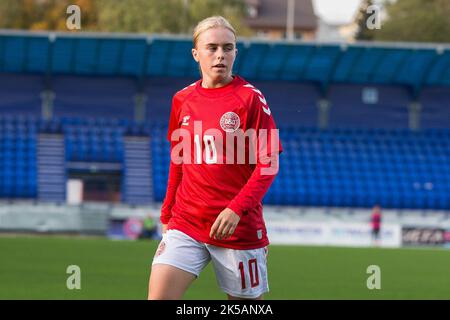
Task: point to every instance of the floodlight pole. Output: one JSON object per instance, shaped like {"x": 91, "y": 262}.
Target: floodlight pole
{"x": 324, "y": 110}
{"x": 140, "y": 100}
{"x": 47, "y": 98}
{"x": 290, "y": 14}
{"x": 414, "y": 116}
{"x": 185, "y": 16}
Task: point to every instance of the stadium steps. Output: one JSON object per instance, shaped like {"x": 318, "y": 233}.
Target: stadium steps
{"x": 137, "y": 181}
{"x": 51, "y": 168}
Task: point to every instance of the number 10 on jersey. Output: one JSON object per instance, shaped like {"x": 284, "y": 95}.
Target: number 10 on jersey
{"x": 210, "y": 149}
{"x": 253, "y": 273}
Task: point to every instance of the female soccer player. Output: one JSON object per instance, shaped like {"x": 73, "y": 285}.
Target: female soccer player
{"x": 212, "y": 209}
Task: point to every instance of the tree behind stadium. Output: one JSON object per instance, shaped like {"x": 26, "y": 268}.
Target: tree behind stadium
{"x": 151, "y": 16}
{"x": 416, "y": 20}
{"x": 364, "y": 33}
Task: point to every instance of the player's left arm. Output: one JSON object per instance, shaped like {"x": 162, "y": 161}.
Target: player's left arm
{"x": 249, "y": 197}
{"x": 267, "y": 156}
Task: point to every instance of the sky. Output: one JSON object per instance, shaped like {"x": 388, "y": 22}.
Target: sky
{"x": 336, "y": 11}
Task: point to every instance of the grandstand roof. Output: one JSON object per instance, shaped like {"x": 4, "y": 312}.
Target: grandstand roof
{"x": 141, "y": 55}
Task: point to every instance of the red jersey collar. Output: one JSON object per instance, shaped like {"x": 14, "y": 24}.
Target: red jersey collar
{"x": 218, "y": 92}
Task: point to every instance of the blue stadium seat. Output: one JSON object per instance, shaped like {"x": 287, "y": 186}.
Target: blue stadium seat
{"x": 360, "y": 172}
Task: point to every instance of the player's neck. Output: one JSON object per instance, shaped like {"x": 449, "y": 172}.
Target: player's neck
{"x": 208, "y": 83}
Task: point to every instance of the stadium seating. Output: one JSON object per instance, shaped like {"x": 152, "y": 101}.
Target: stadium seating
{"x": 17, "y": 157}
{"x": 335, "y": 167}
{"x": 299, "y": 107}
{"x": 160, "y": 149}
{"x": 368, "y": 106}
{"x": 159, "y": 92}
{"x": 349, "y": 167}
{"x": 366, "y": 155}
{"x": 93, "y": 97}
{"x": 435, "y": 103}
{"x": 360, "y": 167}
{"x": 20, "y": 94}
{"x": 98, "y": 140}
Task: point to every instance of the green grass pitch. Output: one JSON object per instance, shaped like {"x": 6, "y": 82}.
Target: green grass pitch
{"x": 35, "y": 268}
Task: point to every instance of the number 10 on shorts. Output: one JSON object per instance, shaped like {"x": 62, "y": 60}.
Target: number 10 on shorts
{"x": 253, "y": 272}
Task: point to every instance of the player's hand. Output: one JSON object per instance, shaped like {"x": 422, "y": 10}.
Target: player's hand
{"x": 164, "y": 228}
{"x": 224, "y": 225}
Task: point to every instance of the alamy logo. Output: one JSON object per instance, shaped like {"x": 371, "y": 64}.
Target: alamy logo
{"x": 374, "y": 280}
{"x": 212, "y": 146}
{"x": 374, "y": 20}
{"x": 73, "y": 22}
{"x": 74, "y": 280}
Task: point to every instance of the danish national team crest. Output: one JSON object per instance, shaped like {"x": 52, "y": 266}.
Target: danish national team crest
{"x": 230, "y": 122}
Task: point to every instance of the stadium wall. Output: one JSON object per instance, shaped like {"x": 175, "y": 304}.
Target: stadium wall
{"x": 285, "y": 225}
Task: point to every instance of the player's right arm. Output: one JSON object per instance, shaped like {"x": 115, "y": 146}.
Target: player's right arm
{"x": 175, "y": 170}
{"x": 174, "y": 180}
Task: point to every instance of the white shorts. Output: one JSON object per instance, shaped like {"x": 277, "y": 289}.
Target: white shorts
{"x": 239, "y": 273}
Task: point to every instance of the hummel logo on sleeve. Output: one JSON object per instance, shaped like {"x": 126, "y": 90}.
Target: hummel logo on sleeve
{"x": 265, "y": 107}
{"x": 185, "y": 120}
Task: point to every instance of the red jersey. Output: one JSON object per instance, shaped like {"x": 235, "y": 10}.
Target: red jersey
{"x": 216, "y": 171}
{"x": 376, "y": 220}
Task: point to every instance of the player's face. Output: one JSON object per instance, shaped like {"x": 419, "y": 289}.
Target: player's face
{"x": 215, "y": 52}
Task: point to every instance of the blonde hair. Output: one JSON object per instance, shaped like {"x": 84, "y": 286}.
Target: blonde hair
{"x": 209, "y": 23}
